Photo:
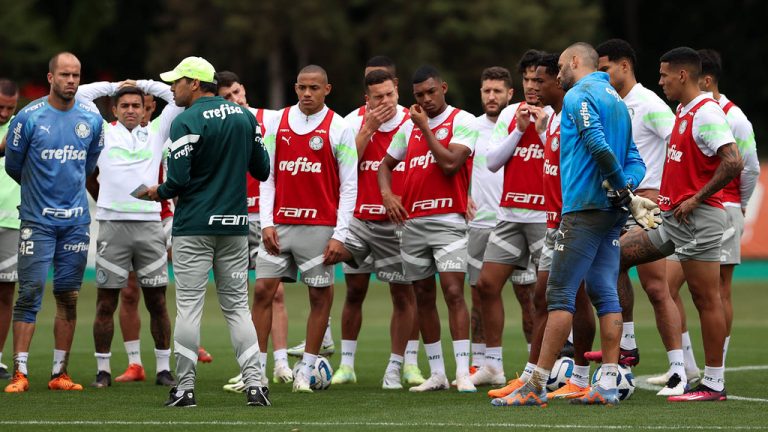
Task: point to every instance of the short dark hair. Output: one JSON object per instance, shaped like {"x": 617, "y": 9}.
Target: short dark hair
{"x": 208, "y": 87}
{"x": 8, "y": 87}
{"x": 684, "y": 57}
{"x": 128, "y": 90}
{"x": 310, "y": 69}
{"x": 383, "y": 62}
{"x": 377, "y": 76}
{"x": 497, "y": 73}
{"x": 54, "y": 61}
{"x": 549, "y": 62}
{"x": 424, "y": 73}
{"x": 617, "y": 49}
{"x": 711, "y": 64}
{"x": 227, "y": 78}
{"x": 529, "y": 58}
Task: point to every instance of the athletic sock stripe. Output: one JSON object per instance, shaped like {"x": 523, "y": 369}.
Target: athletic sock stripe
{"x": 146, "y": 270}
{"x": 458, "y": 244}
{"x": 184, "y": 351}
{"x": 100, "y": 261}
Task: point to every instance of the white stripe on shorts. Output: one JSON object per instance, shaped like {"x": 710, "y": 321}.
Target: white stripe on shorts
{"x": 458, "y": 244}
{"x": 263, "y": 254}
{"x": 537, "y": 245}
{"x": 111, "y": 267}
{"x": 415, "y": 260}
{"x": 163, "y": 260}
{"x": 507, "y": 246}
{"x": 314, "y": 262}
{"x": 254, "y": 349}
{"x": 9, "y": 262}
{"x": 395, "y": 259}
{"x": 186, "y": 352}
{"x": 474, "y": 263}
{"x": 727, "y": 234}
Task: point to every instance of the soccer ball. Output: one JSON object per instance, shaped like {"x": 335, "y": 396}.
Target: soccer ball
{"x": 321, "y": 374}
{"x": 561, "y": 371}
{"x": 625, "y": 381}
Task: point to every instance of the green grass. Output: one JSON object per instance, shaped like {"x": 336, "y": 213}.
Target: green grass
{"x": 364, "y": 406}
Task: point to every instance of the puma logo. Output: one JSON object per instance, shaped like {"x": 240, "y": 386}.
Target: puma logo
{"x": 287, "y": 139}
{"x": 46, "y": 128}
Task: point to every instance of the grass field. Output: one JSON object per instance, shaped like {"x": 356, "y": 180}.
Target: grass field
{"x": 364, "y": 406}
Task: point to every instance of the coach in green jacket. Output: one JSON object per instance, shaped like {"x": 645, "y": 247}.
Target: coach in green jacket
{"x": 214, "y": 144}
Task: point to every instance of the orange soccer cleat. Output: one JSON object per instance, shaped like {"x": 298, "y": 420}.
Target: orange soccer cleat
{"x": 62, "y": 381}
{"x": 507, "y": 390}
{"x": 135, "y": 372}
{"x": 204, "y": 356}
{"x": 19, "y": 383}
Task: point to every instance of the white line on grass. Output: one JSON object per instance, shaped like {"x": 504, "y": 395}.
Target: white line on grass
{"x": 371, "y": 424}
{"x": 642, "y": 383}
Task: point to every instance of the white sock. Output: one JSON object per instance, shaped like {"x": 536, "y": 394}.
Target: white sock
{"x": 412, "y": 352}
{"x": 580, "y": 376}
{"x": 133, "y": 348}
{"x": 628, "y": 336}
{"x": 527, "y": 372}
{"x": 309, "y": 364}
{"x": 20, "y": 361}
{"x": 478, "y": 354}
{"x": 542, "y": 375}
{"x": 280, "y": 356}
{"x": 102, "y": 362}
{"x": 690, "y": 360}
{"x": 395, "y": 363}
{"x": 608, "y": 376}
{"x": 58, "y": 361}
{"x": 725, "y": 348}
{"x": 714, "y": 378}
{"x": 493, "y": 358}
{"x": 529, "y": 348}
{"x": 570, "y": 336}
{"x": 263, "y": 361}
{"x": 435, "y": 356}
{"x": 163, "y": 360}
{"x": 461, "y": 354}
{"x": 328, "y": 336}
{"x": 677, "y": 364}
{"x": 1, "y": 357}
{"x": 348, "y": 348}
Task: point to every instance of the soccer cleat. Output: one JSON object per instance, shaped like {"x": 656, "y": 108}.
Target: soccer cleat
{"x": 344, "y": 375}
{"x": 181, "y": 398}
{"x": 297, "y": 350}
{"x": 568, "y": 391}
{"x": 507, "y": 390}
{"x": 301, "y": 383}
{"x": 62, "y": 381}
{"x": 701, "y": 393}
{"x": 473, "y": 369}
{"x": 674, "y": 387}
{"x": 257, "y": 396}
{"x": 629, "y": 358}
{"x": 282, "y": 374}
{"x": 4, "y": 374}
{"x": 18, "y": 384}
{"x": 204, "y": 356}
{"x": 326, "y": 349}
{"x": 165, "y": 378}
{"x": 523, "y": 396}
{"x": 235, "y": 379}
{"x": 103, "y": 380}
{"x": 487, "y": 375}
{"x": 412, "y": 375}
{"x": 693, "y": 376}
{"x": 464, "y": 384}
{"x": 391, "y": 380}
{"x": 598, "y": 396}
{"x": 135, "y": 372}
{"x": 437, "y": 381}
{"x": 236, "y": 387}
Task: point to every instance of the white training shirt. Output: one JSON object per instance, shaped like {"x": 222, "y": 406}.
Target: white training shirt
{"x": 503, "y": 146}
{"x": 268, "y": 118}
{"x": 742, "y": 131}
{"x": 464, "y": 133}
{"x": 341, "y": 137}
{"x": 486, "y": 184}
{"x": 652, "y": 123}
{"x": 710, "y": 128}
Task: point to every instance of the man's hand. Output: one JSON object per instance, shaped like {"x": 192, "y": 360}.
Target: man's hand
{"x": 150, "y": 193}
{"x": 126, "y": 83}
{"x": 471, "y": 209}
{"x": 686, "y": 208}
{"x": 374, "y": 118}
{"x": 270, "y": 241}
{"x": 523, "y": 117}
{"x": 618, "y": 198}
{"x": 395, "y": 209}
{"x": 334, "y": 252}
{"x": 541, "y": 118}
{"x": 419, "y": 117}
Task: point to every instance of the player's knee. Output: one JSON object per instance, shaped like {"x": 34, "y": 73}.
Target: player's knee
{"x": 155, "y": 302}
{"x": 6, "y": 295}
{"x": 66, "y": 305}
{"x": 355, "y": 296}
{"x": 559, "y": 299}
{"x": 454, "y": 298}
{"x": 279, "y": 297}
{"x": 105, "y": 307}
{"x": 28, "y": 302}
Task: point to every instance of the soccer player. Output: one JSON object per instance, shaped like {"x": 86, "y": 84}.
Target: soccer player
{"x": 306, "y": 205}
{"x": 53, "y": 145}
{"x": 702, "y": 158}
{"x": 372, "y": 236}
{"x": 436, "y": 145}
{"x": 231, "y": 89}
{"x": 9, "y": 220}
{"x": 518, "y": 236}
{"x": 652, "y": 122}
{"x": 596, "y": 145}
{"x": 131, "y": 234}
{"x": 495, "y": 93}
{"x": 213, "y": 144}
{"x": 736, "y": 196}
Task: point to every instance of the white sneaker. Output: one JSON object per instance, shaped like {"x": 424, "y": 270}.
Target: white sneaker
{"x": 693, "y": 376}
{"x": 301, "y": 384}
{"x": 674, "y": 387}
{"x": 658, "y": 379}
{"x": 437, "y": 381}
{"x": 326, "y": 349}
{"x": 391, "y": 380}
{"x": 282, "y": 374}
{"x": 488, "y": 375}
{"x": 297, "y": 350}
{"x": 236, "y": 379}
{"x": 464, "y": 384}
{"x": 237, "y": 387}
